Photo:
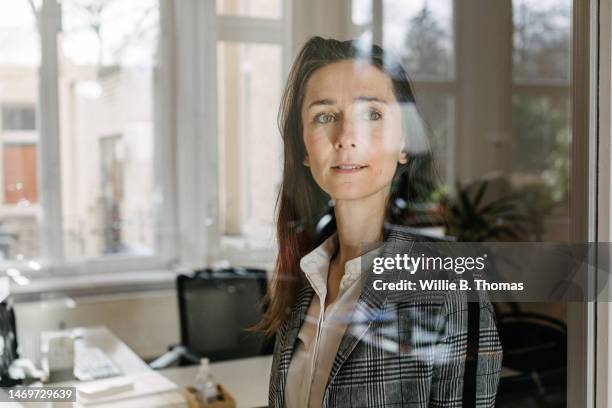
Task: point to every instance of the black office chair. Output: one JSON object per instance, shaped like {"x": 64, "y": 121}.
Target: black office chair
{"x": 216, "y": 309}
{"x": 534, "y": 345}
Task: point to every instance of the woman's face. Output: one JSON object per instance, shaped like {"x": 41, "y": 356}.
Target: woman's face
{"x": 352, "y": 130}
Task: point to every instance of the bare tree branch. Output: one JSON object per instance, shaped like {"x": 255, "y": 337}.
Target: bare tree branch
{"x": 36, "y": 13}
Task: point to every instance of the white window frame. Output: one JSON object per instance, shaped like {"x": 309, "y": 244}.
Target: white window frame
{"x": 52, "y": 260}
{"x": 200, "y": 30}
{"x": 250, "y": 30}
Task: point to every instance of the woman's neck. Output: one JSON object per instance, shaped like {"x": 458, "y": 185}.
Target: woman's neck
{"x": 359, "y": 224}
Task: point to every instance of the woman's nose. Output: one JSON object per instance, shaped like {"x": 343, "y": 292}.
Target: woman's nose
{"x": 346, "y": 136}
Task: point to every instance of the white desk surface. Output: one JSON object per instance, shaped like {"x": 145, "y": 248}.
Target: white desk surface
{"x": 115, "y": 349}
{"x": 246, "y": 379}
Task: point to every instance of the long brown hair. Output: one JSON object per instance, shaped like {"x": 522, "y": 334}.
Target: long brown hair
{"x": 301, "y": 202}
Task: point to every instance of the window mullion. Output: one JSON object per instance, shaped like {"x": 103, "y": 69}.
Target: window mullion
{"x": 165, "y": 136}
{"x": 50, "y": 186}
{"x": 287, "y": 37}
{"x": 196, "y": 127}
{"x": 377, "y": 22}
{"x": 207, "y": 170}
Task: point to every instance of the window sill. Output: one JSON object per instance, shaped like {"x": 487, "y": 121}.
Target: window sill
{"x": 50, "y": 287}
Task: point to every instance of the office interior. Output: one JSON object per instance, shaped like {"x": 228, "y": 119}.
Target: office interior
{"x": 139, "y": 143}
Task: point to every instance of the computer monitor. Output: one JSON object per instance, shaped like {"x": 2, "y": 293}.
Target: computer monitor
{"x": 216, "y": 310}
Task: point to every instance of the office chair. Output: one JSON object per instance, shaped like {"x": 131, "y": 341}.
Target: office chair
{"x": 216, "y": 308}
{"x": 535, "y": 345}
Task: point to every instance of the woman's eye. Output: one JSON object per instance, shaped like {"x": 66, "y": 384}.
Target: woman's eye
{"x": 324, "y": 118}
{"x": 373, "y": 115}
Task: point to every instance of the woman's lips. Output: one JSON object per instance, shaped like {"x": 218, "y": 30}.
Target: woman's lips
{"x": 347, "y": 168}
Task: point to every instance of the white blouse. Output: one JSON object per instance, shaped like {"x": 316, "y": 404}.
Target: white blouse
{"x": 322, "y": 330}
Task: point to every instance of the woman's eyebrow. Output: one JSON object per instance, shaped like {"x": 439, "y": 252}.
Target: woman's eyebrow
{"x": 362, "y": 98}
{"x": 369, "y": 99}
{"x": 321, "y": 102}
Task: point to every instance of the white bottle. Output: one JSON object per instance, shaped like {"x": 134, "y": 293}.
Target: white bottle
{"x": 205, "y": 383}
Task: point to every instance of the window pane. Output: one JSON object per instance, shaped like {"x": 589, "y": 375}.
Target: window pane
{"x": 251, "y": 8}
{"x": 541, "y": 160}
{"x": 250, "y": 79}
{"x": 542, "y": 39}
{"x": 541, "y": 127}
{"x": 438, "y": 110}
{"x": 541, "y": 114}
{"x": 19, "y": 62}
{"x": 108, "y": 56}
{"x": 421, "y": 33}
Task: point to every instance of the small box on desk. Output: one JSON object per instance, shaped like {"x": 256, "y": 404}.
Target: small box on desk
{"x": 193, "y": 400}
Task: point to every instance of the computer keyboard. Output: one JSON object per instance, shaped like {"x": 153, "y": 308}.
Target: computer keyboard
{"x": 91, "y": 363}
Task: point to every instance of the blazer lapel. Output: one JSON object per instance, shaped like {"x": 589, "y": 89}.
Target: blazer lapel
{"x": 369, "y": 308}
{"x": 294, "y": 323}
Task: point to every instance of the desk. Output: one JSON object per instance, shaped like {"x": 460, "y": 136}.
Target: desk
{"x": 115, "y": 349}
{"x": 246, "y": 379}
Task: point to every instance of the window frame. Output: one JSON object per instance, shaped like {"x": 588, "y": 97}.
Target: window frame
{"x": 52, "y": 260}
{"x": 203, "y": 225}
{"x": 603, "y": 309}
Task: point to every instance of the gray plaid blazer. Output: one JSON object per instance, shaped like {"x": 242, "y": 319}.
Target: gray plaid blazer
{"x": 403, "y": 351}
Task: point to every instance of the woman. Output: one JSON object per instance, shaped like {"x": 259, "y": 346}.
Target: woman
{"x": 347, "y": 120}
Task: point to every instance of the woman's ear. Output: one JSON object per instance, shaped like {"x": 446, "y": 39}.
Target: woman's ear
{"x": 306, "y": 161}
{"x": 403, "y": 157}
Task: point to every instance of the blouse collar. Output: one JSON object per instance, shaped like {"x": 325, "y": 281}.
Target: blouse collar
{"x": 315, "y": 265}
